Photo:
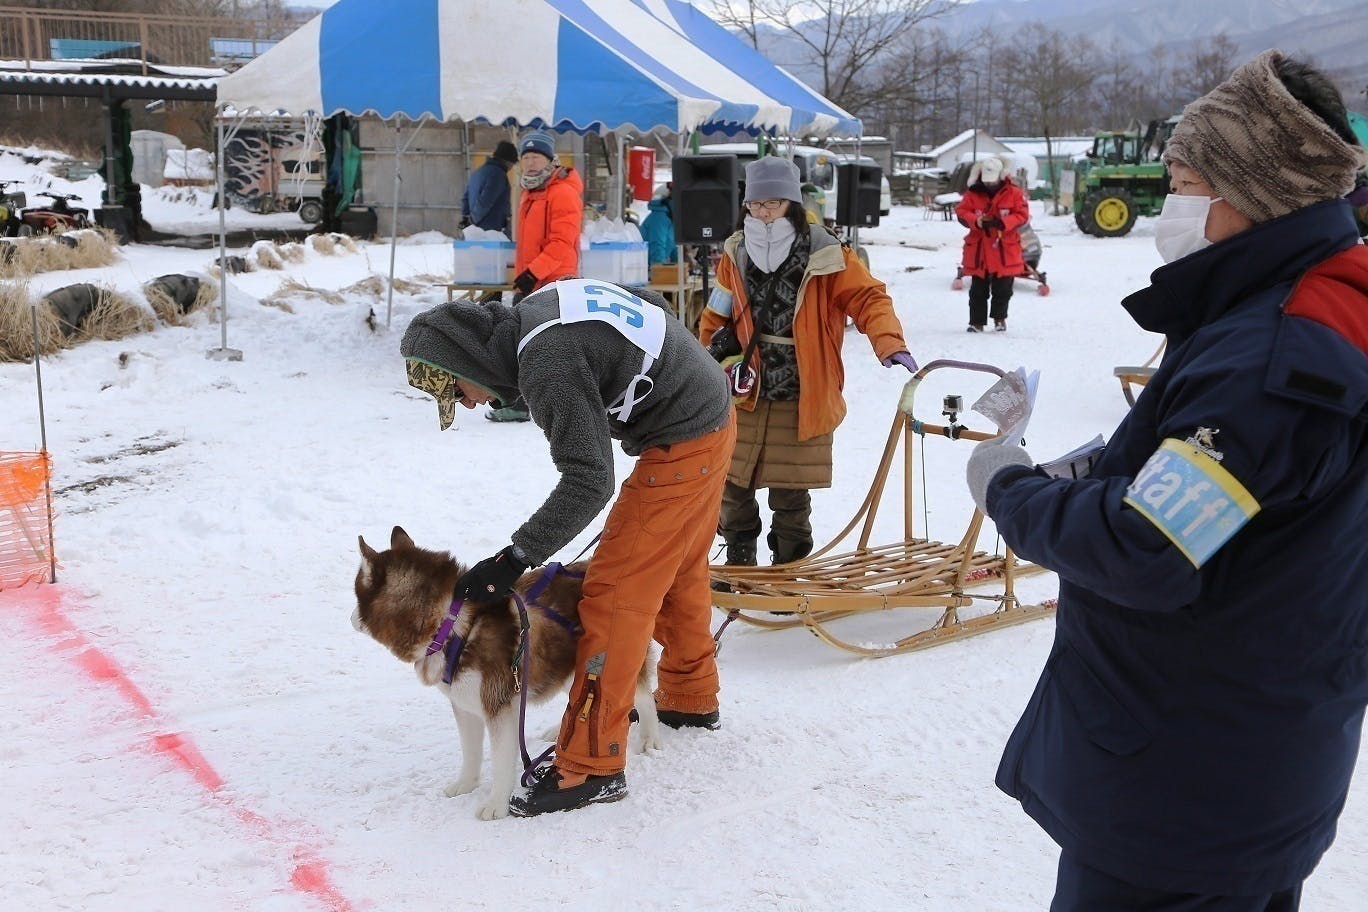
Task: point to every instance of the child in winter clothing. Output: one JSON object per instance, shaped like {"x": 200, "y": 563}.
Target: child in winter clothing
{"x": 790, "y": 373}
{"x": 993, "y": 208}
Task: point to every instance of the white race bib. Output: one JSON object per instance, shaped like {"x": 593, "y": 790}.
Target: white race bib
{"x": 640, "y": 322}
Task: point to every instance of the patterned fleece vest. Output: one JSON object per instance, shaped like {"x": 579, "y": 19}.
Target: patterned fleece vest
{"x": 773, "y": 299}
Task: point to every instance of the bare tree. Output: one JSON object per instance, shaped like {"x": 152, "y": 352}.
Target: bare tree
{"x": 1206, "y": 66}
{"x": 842, "y": 39}
{"x": 1056, "y": 73}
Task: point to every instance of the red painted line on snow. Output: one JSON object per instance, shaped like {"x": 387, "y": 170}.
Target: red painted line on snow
{"x": 310, "y": 873}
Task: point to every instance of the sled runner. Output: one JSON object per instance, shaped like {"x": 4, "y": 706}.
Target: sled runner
{"x": 1136, "y": 375}
{"x": 916, "y": 573}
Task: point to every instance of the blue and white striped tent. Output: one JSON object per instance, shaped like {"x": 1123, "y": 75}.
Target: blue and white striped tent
{"x": 579, "y": 65}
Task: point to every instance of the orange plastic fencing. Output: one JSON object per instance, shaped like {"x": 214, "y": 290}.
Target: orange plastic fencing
{"x": 25, "y": 521}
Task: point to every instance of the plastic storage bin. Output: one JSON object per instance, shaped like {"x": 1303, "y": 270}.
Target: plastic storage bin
{"x": 619, "y": 262}
{"x": 480, "y": 262}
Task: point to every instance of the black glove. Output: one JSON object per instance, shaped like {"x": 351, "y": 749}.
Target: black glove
{"x": 464, "y": 222}
{"x": 993, "y": 223}
{"x": 493, "y": 577}
{"x": 525, "y": 282}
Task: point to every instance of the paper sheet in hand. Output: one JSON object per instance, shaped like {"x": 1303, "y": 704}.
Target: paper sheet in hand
{"x": 1008, "y": 404}
{"x": 1077, "y": 463}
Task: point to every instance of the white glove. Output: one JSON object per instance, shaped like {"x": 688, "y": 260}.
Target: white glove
{"x": 989, "y": 458}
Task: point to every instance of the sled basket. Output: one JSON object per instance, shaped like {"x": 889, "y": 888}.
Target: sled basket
{"x": 831, "y": 584}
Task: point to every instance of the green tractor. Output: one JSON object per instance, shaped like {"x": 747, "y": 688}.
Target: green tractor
{"x": 1123, "y": 177}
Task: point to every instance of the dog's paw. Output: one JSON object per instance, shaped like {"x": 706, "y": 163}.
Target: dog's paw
{"x": 652, "y": 744}
{"x": 461, "y": 787}
{"x": 494, "y": 810}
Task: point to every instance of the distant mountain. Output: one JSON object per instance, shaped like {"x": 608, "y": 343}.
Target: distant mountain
{"x": 1333, "y": 34}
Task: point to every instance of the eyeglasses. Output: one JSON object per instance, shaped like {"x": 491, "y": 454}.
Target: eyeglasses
{"x": 771, "y": 205}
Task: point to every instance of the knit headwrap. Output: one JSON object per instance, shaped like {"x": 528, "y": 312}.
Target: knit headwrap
{"x": 1261, "y": 149}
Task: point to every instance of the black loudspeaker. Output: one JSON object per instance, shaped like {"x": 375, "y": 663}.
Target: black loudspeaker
{"x": 857, "y": 194}
{"x": 706, "y": 197}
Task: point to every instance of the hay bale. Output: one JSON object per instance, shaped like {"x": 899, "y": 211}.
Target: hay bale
{"x": 266, "y": 255}
{"x": 16, "y": 325}
{"x": 84, "y": 249}
{"x": 236, "y": 264}
{"x": 346, "y": 242}
{"x": 293, "y": 252}
{"x": 94, "y": 247}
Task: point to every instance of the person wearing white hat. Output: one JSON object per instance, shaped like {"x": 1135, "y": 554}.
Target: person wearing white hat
{"x": 993, "y": 208}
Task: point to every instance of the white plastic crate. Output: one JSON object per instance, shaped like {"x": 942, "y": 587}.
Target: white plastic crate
{"x": 481, "y": 262}
{"x": 619, "y": 262}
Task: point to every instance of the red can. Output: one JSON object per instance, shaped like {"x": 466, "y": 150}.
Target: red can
{"x": 641, "y": 171}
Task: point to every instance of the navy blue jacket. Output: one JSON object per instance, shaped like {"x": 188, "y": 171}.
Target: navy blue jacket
{"x": 1198, "y": 719}
{"x": 486, "y": 200}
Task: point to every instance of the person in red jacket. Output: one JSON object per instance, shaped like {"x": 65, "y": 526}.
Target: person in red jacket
{"x": 993, "y": 208}
{"x": 550, "y": 214}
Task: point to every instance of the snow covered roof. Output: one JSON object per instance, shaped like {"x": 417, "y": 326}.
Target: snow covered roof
{"x": 960, "y": 140}
{"x": 1060, "y": 146}
{"x": 95, "y": 79}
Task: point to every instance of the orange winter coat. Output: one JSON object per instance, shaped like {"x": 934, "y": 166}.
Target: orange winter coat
{"x": 994, "y": 251}
{"x": 549, "y": 220}
{"x": 836, "y": 285}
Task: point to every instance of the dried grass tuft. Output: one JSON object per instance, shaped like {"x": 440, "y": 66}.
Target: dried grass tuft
{"x": 88, "y": 248}
{"x": 16, "y": 325}
{"x": 115, "y": 316}
{"x": 294, "y": 289}
{"x": 267, "y": 256}
{"x": 293, "y": 252}
{"x": 346, "y": 242}
{"x": 323, "y": 244}
{"x": 372, "y": 285}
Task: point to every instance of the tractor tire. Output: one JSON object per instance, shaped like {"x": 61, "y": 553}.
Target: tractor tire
{"x": 1110, "y": 212}
{"x": 311, "y": 211}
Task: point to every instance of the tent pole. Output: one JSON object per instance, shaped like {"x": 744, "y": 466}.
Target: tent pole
{"x": 855, "y": 229}
{"x": 394, "y": 211}
{"x": 223, "y": 352}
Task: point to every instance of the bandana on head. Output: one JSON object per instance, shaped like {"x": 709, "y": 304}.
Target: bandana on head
{"x": 1261, "y": 149}
{"x": 438, "y": 384}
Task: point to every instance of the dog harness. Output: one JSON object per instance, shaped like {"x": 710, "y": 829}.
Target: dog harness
{"x": 451, "y": 644}
{"x": 640, "y": 322}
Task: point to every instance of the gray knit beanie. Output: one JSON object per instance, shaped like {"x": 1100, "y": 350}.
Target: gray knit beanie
{"x": 772, "y": 177}
{"x": 1261, "y": 149}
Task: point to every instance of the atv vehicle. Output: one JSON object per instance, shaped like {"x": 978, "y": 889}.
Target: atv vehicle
{"x": 53, "y": 219}
{"x": 10, "y": 204}
{"x": 1123, "y": 177}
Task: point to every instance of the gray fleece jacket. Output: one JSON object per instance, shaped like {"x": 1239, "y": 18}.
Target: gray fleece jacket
{"x": 568, "y": 376}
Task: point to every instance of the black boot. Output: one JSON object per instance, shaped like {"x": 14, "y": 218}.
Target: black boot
{"x": 741, "y": 553}
{"x": 709, "y": 720}
{"x": 546, "y": 795}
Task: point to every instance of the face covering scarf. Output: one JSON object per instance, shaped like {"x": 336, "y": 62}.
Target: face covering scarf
{"x": 1181, "y": 229}
{"x": 768, "y": 245}
{"x": 531, "y": 180}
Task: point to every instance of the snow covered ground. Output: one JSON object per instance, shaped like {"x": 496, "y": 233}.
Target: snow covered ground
{"x": 189, "y": 720}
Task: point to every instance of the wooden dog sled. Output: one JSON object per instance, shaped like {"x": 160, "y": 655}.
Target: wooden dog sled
{"x": 829, "y": 584}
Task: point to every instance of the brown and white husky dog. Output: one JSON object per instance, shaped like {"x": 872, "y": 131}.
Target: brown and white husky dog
{"x": 402, "y": 597}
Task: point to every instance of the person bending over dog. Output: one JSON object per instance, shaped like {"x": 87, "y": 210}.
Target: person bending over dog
{"x": 595, "y": 363}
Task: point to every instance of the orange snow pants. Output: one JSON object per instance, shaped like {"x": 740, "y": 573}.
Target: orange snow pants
{"x": 649, "y": 577}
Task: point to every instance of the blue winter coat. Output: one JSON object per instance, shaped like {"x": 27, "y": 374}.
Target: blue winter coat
{"x": 1198, "y": 718}
{"x": 486, "y": 200}
{"x": 657, "y": 229}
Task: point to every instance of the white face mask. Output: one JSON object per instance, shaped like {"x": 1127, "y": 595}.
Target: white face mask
{"x": 769, "y": 245}
{"x": 1181, "y": 229}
